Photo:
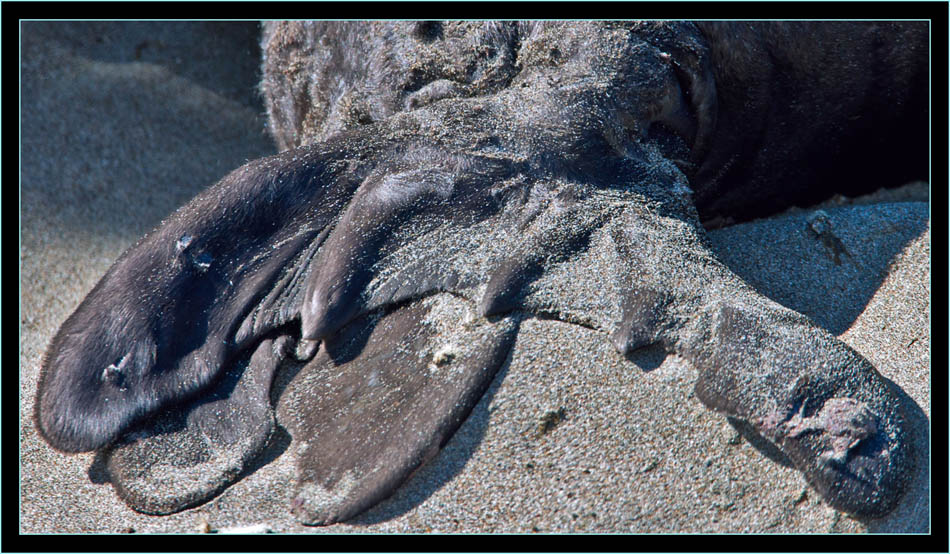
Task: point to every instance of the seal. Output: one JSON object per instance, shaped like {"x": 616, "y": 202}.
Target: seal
{"x": 438, "y": 182}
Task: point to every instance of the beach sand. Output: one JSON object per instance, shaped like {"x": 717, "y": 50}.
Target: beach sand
{"x": 124, "y": 122}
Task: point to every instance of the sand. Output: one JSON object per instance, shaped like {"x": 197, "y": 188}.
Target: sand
{"x": 124, "y": 122}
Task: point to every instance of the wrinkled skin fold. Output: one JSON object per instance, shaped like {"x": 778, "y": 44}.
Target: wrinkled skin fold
{"x": 384, "y": 261}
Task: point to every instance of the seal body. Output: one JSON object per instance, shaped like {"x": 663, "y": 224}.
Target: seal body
{"x": 751, "y": 101}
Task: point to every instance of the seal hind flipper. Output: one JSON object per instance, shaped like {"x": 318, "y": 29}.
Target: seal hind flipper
{"x": 382, "y": 397}
{"x": 819, "y": 401}
{"x": 170, "y": 313}
{"x": 189, "y": 453}
{"x": 334, "y": 234}
{"x": 417, "y": 191}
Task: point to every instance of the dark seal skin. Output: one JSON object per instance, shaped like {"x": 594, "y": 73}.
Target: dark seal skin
{"x": 362, "y": 288}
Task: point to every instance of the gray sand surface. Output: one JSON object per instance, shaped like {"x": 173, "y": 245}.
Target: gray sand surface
{"x": 122, "y": 123}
